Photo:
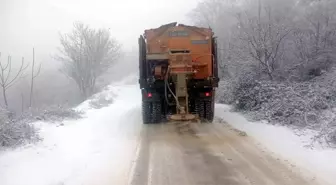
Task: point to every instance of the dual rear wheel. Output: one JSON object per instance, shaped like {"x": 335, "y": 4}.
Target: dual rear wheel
{"x": 205, "y": 109}
{"x": 152, "y": 112}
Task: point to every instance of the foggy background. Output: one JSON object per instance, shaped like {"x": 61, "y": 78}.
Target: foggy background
{"x": 28, "y": 24}
{"x": 276, "y": 58}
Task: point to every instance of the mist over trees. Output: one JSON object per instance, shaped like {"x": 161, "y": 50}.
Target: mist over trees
{"x": 282, "y": 40}
{"x": 277, "y": 59}
{"x": 87, "y": 54}
{"x": 33, "y": 90}
{"x": 82, "y": 67}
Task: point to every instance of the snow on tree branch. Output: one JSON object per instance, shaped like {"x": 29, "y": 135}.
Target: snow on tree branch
{"x": 86, "y": 54}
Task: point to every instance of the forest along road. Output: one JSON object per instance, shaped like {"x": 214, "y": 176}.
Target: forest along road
{"x": 209, "y": 154}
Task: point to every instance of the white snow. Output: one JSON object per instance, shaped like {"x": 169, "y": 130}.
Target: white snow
{"x": 283, "y": 142}
{"x": 100, "y": 148}
{"x": 74, "y": 153}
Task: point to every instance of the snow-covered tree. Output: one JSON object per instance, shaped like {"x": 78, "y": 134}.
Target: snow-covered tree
{"x": 86, "y": 54}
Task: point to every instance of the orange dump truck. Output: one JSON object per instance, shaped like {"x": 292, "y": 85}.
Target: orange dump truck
{"x": 178, "y": 73}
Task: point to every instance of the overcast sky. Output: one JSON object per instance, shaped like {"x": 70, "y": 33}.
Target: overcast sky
{"x": 36, "y": 23}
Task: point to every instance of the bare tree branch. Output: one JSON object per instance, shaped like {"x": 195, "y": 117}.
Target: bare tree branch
{"x": 33, "y": 76}
{"x": 7, "y": 80}
{"x": 86, "y": 54}
{"x": 18, "y": 74}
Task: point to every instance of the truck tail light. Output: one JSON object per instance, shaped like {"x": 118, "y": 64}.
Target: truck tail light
{"x": 207, "y": 94}
{"x": 149, "y": 95}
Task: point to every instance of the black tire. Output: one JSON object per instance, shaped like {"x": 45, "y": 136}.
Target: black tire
{"x": 209, "y": 111}
{"x": 199, "y": 109}
{"x": 205, "y": 109}
{"x": 146, "y": 112}
{"x": 156, "y": 112}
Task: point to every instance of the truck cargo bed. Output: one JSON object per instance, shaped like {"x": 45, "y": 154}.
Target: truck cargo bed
{"x": 178, "y": 72}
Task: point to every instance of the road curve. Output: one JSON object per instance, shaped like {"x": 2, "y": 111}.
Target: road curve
{"x": 207, "y": 154}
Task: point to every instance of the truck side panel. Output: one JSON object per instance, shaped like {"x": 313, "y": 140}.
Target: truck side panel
{"x": 142, "y": 61}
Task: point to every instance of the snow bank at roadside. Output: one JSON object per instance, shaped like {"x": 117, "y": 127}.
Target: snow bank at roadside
{"x": 285, "y": 143}
{"x": 107, "y": 95}
{"x": 69, "y": 153}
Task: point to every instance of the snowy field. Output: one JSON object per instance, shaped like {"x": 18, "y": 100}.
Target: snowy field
{"x": 75, "y": 152}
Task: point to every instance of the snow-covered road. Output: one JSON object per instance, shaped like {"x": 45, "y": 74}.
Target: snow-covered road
{"x": 111, "y": 146}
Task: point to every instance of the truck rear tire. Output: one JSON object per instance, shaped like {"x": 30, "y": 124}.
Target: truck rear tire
{"x": 205, "y": 110}
{"x": 209, "y": 111}
{"x": 156, "y": 112}
{"x": 151, "y": 112}
{"x": 199, "y": 109}
{"x": 146, "y": 112}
